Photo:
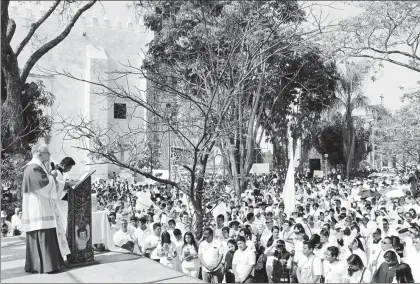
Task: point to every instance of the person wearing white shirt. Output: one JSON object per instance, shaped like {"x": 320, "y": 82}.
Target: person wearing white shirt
{"x": 270, "y": 248}
{"x": 166, "y": 250}
{"x": 179, "y": 242}
{"x": 220, "y": 224}
{"x": 386, "y": 230}
{"x": 310, "y": 266}
{"x": 333, "y": 270}
{"x": 152, "y": 242}
{"x": 413, "y": 258}
{"x": 16, "y": 220}
{"x": 356, "y": 248}
{"x": 141, "y": 234}
{"x": 374, "y": 245}
{"x": 243, "y": 262}
{"x": 357, "y": 273}
{"x": 122, "y": 238}
{"x": 210, "y": 253}
{"x": 189, "y": 256}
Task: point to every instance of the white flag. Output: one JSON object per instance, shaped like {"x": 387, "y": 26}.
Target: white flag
{"x": 289, "y": 190}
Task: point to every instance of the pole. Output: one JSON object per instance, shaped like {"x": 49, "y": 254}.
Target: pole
{"x": 169, "y": 156}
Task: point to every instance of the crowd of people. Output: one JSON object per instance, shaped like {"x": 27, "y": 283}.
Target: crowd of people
{"x": 363, "y": 230}
{"x": 343, "y": 231}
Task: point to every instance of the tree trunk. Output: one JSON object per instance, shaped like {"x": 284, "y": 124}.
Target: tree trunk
{"x": 349, "y": 143}
{"x": 12, "y": 111}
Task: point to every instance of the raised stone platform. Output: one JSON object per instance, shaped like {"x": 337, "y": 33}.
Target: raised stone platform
{"x": 116, "y": 266}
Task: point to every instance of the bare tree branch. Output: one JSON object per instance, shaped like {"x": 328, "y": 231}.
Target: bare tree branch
{"x": 52, "y": 43}
{"x": 35, "y": 26}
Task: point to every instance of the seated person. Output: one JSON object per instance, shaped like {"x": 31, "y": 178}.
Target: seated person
{"x": 6, "y": 226}
{"x": 122, "y": 238}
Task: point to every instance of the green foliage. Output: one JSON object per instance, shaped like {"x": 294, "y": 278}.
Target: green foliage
{"x": 37, "y": 123}
{"x": 398, "y": 134}
{"x": 328, "y": 139}
{"x": 11, "y": 178}
{"x": 382, "y": 31}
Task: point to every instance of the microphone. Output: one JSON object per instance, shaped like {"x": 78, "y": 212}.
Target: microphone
{"x": 52, "y": 166}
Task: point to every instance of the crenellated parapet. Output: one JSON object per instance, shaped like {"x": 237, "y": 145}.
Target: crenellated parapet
{"x": 31, "y": 11}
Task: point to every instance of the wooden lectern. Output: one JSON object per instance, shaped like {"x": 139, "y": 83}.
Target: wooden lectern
{"x": 79, "y": 232}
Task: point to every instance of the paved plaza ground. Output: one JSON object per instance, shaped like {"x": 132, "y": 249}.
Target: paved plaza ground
{"x": 116, "y": 266}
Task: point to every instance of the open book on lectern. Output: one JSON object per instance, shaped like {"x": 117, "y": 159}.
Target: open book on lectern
{"x": 83, "y": 177}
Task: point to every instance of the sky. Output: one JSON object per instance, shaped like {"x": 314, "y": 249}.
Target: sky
{"x": 389, "y": 78}
{"x": 387, "y": 82}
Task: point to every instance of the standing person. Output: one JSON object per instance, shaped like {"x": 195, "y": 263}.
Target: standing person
{"x": 152, "y": 241}
{"x": 386, "y": 272}
{"x": 141, "y": 234}
{"x": 179, "y": 242}
{"x": 357, "y": 272}
{"x": 65, "y": 166}
{"x": 271, "y": 247}
{"x": 166, "y": 250}
{"x": 189, "y": 256}
{"x": 375, "y": 262}
{"x": 403, "y": 273}
{"x": 210, "y": 253}
{"x": 309, "y": 267}
{"x": 413, "y": 257}
{"x": 243, "y": 262}
{"x": 281, "y": 265}
{"x": 46, "y": 243}
{"x": 334, "y": 270}
{"x": 232, "y": 247}
{"x": 17, "y": 222}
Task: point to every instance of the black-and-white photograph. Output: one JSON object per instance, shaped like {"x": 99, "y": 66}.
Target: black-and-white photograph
{"x": 210, "y": 141}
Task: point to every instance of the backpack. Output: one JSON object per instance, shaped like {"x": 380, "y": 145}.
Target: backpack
{"x": 260, "y": 262}
{"x": 281, "y": 274}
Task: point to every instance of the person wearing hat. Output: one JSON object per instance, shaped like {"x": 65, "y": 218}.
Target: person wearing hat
{"x": 46, "y": 242}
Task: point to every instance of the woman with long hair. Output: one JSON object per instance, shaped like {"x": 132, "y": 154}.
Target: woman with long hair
{"x": 357, "y": 272}
{"x": 334, "y": 270}
{"x": 356, "y": 247}
{"x": 166, "y": 250}
{"x": 403, "y": 273}
{"x": 189, "y": 256}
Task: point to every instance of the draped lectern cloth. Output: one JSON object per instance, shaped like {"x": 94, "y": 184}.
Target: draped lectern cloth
{"x": 101, "y": 230}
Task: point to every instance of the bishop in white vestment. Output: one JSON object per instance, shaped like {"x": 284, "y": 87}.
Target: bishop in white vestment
{"x": 46, "y": 243}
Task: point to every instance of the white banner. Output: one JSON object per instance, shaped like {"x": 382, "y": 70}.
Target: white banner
{"x": 289, "y": 190}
